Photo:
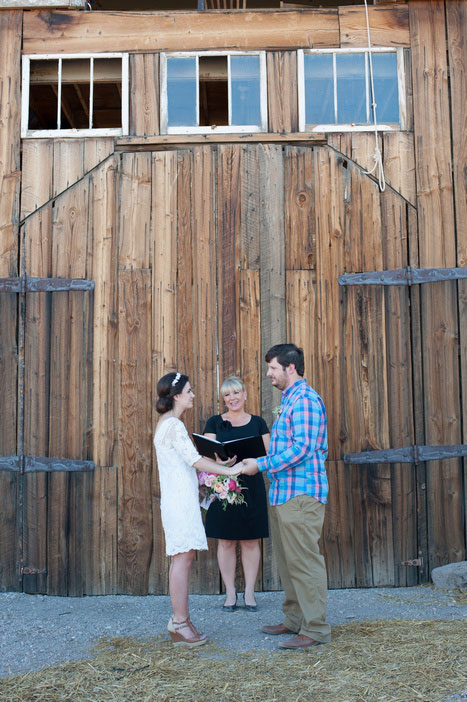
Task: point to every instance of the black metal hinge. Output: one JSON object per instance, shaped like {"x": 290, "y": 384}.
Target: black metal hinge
{"x": 29, "y": 284}
{"x": 417, "y": 562}
{"x": 33, "y": 464}
{"x": 410, "y": 454}
{"x": 26, "y": 570}
{"x": 403, "y": 276}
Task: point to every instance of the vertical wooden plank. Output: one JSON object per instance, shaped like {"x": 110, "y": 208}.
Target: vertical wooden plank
{"x": 282, "y": 91}
{"x": 250, "y": 337}
{"x": 164, "y": 219}
{"x": 100, "y": 560}
{"x": 134, "y": 220}
{"x": 68, "y": 163}
{"x": 10, "y": 112}
{"x": 330, "y": 182}
{"x": 144, "y": 94}
{"x": 272, "y": 285}
{"x": 301, "y": 318}
{"x": 300, "y": 233}
{"x": 37, "y": 240}
{"x": 37, "y": 158}
{"x": 95, "y": 151}
{"x": 249, "y": 240}
{"x": 400, "y": 388}
{"x": 399, "y": 163}
{"x": 8, "y": 447}
{"x": 228, "y": 219}
{"x": 135, "y": 420}
{"x": 102, "y": 269}
{"x": 338, "y": 539}
{"x": 205, "y": 574}
{"x": 437, "y": 247}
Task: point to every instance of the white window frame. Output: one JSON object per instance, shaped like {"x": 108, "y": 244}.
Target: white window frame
{"x": 225, "y": 129}
{"x": 400, "y": 126}
{"x": 92, "y": 132}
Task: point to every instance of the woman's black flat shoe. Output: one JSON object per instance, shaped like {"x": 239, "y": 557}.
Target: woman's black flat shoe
{"x": 230, "y": 608}
{"x": 249, "y": 608}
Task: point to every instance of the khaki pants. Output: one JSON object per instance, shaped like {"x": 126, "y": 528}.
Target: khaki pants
{"x": 295, "y": 529}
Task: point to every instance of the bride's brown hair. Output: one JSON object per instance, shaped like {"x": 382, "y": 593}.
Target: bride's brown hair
{"x": 168, "y": 386}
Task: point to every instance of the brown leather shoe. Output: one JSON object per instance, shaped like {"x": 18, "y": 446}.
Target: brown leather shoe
{"x": 275, "y": 629}
{"x": 299, "y": 641}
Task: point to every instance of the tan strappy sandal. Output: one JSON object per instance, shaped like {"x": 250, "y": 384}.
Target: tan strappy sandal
{"x": 178, "y": 639}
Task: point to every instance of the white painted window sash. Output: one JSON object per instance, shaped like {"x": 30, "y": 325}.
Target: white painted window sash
{"x": 91, "y": 132}
{"x": 318, "y": 128}
{"x": 242, "y": 129}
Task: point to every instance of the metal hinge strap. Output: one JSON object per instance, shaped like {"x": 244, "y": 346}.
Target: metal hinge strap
{"x": 410, "y": 454}
{"x": 403, "y": 276}
{"x": 30, "y": 284}
{"x": 418, "y": 562}
{"x": 32, "y": 464}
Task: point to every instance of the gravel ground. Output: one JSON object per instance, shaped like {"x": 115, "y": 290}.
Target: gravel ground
{"x": 37, "y": 631}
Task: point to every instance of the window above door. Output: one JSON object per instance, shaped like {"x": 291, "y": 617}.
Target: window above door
{"x": 75, "y": 95}
{"x": 213, "y": 92}
{"x": 335, "y": 94}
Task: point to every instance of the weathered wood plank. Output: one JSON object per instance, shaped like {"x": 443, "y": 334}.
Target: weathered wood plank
{"x": 399, "y": 164}
{"x": 338, "y": 540}
{"x": 134, "y": 221}
{"x": 137, "y": 143}
{"x": 102, "y": 267}
{"x": 372, "y": 525}
{"x": 329, "y": 179}
{"x": 46, "y": 32}
{"x": 144, "y": 94}
{"x": 100, "y": 556}
{"x": 273, "y": 293}
{"x": 456, "y": 16}
{"x": 68, "y": 163}
{"x": 249, "y": 240}
{"x": 282, "y": 91}
{"x": 302, "y": 318}
{"x": 8, "y": 447}
{"x": 389, "y": 26}
{"x": 205, "y": 573}
{"x": 37, "y": 158}
{"x": 400, "y": 388}
{"x": 433, "y": 160}
{"x": 250, "y": 337}
{"x": 10, "y": 155}
{"x": 135, "y": 435}
{"x": 228, "y": 225}
{"x": 300, "y": 233}
{"x": 165, "y": 296}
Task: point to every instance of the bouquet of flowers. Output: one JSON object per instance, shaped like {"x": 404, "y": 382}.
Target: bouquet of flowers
{"x": 221, "y": 487}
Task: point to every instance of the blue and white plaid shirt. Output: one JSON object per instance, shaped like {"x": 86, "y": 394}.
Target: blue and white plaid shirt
{"x": 298, "y": 448}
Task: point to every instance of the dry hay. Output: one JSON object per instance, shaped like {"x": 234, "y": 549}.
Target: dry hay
{"x": 395, "y": 660}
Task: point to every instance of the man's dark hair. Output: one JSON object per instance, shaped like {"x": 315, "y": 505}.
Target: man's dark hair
{"x": 287, "y": 354}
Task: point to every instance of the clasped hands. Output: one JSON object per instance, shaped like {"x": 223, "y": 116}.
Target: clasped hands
{"x": 249, "y": 466}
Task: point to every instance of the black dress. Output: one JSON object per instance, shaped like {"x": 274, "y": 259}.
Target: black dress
{"x": 250, "y": 520}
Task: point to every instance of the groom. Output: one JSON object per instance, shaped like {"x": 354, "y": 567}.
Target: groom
{"x": 297, "y": 493}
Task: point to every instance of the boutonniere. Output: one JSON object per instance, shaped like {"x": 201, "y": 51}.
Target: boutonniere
{"x": 277, "y": 411}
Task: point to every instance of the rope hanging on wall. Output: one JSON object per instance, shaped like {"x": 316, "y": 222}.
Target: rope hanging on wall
{"x": 377, "y": 157}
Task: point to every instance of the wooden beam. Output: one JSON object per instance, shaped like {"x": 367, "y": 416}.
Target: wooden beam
{"x": 142, "y": 143}
{"x": 68, "y": 32}
{"x": 38, "y": 4}
{"x": 389, "y": 26}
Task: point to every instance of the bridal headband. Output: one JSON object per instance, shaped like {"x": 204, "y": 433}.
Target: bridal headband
{"x": 176, "y": 379}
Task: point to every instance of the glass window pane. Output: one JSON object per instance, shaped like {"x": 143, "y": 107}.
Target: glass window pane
{"x": 386, "y": 90}
{"x": 43, "y": 92}
{"x": 181, "y": 92}
{"x": 319, "y": 91}
{"x": 351, "y": 89}
{"x": 245, "y": 90}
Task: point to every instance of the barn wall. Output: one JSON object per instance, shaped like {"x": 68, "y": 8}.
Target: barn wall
{"x": 235, "y": 245}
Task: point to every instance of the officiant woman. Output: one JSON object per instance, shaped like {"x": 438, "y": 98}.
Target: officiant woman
{"x": 245, "y": 524}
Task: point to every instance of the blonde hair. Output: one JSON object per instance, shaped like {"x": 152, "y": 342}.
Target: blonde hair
{"x": 233, "y": 382}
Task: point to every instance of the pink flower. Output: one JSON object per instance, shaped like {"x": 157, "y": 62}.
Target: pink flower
{"x": 232, "y": 485}
{"x": 238, "y": 489}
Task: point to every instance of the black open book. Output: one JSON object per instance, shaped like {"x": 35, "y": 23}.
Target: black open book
{"x": 250, "y": 447}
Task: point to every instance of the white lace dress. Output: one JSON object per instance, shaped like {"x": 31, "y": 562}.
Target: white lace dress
{"x": 181, "y": 514}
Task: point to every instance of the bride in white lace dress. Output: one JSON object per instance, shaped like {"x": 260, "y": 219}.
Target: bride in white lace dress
{"x": 178, "y": 460}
